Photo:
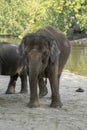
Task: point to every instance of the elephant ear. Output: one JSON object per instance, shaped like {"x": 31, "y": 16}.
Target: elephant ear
{"x": 54, "y": 51}
{"x": 21, "y": 47}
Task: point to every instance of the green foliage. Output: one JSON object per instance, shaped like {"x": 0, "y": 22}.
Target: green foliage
{"x": 19, "y": 16}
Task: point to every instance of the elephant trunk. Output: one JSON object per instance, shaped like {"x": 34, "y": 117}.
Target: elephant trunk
{"x": 34, "y": 71}
{"x": 33, "y": 80}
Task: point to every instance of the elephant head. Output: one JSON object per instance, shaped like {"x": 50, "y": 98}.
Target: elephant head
{"x": 40, "y": 49}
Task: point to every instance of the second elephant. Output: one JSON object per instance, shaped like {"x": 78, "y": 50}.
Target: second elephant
{"x": 13, "y": 64}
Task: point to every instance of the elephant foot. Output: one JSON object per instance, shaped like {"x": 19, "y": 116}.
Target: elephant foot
{"x": 43, "y": 92}
{"x": 56, "y": 104}
{"x": 34, "y": 104}
{"x": 10, "y": 91}
{"x": 24, "y": 91}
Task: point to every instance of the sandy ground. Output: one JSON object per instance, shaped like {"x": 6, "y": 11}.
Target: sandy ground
{"x": 15, "y": 115}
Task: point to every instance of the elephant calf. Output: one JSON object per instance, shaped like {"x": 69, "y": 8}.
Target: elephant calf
{"x": 47, "y": 51}
{"x": 13, "y": 64}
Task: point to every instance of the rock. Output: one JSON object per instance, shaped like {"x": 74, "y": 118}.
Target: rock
{"x": 80, "y": 90}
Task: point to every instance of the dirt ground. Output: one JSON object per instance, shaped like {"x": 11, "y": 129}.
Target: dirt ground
{"x": 15, "y": 115}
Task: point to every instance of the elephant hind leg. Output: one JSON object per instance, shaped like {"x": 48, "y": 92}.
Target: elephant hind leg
{"x": 0, "y": 69}
{"x": 24, "y": 85}
{"x": 12, "y": 84}
{"x": 42, "y": 87}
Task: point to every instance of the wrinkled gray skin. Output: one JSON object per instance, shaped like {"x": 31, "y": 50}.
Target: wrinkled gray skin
{"x": 47, "y": 51}
{"x": 13, "y": 64}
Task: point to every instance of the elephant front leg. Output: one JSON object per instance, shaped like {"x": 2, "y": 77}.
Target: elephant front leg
{"x": 54, "y": 82}
{"x": 11, "y": 85}
{"x": 33, "y": 93}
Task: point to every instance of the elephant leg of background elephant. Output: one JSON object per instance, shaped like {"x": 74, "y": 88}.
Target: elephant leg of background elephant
{"x": 42, "y": 87}
{"x": 12, "y": 84}
{"x": 24, "y": 85}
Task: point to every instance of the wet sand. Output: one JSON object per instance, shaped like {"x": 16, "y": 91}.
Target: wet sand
{"x": 15, "y": 115}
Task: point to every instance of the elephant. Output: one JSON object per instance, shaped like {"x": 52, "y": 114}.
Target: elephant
{"x": 13, "y": 64}
{"x": 47, "y": 51}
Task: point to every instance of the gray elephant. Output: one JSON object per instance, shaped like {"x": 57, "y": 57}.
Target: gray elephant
{"x": 13, "y": 63}
{"x": 47, "y": 51}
